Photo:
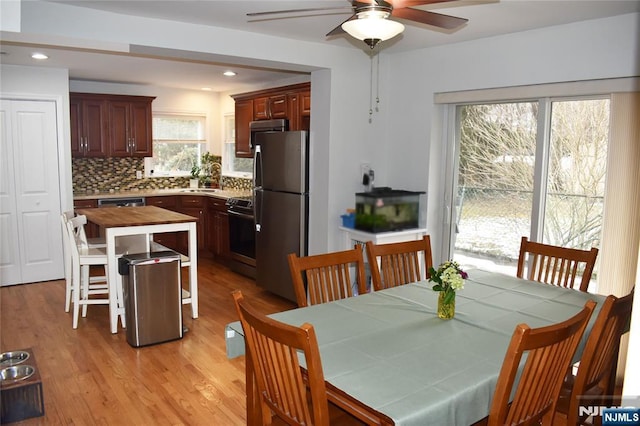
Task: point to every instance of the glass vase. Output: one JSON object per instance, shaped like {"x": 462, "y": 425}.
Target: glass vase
{"x": 446, "y": 310}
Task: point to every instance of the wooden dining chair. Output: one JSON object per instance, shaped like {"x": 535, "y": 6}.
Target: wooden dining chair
{"x": 555, "y": 265}
{"x": 549, "y": 351}
{"x": 596, "y": 374}
{"x": 273, "y": 349}
{"x": 327, "y": 277}
{"x": 399, "y": 263}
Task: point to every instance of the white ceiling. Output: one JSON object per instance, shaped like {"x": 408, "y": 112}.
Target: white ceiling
{"x": 486, "y": 18}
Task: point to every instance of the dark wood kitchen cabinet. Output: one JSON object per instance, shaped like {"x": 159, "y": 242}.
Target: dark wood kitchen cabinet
{"x": 90, "y": 229}
{"x": 244, "y": 115}
{"x": 89, "y": 127}
{"x": 192, "y": 205}
{"x": 291, "y": 102}
{"x": 299, "y": 113}
{"x": 270, "y": 107}
{"x": 305, "y": 103}
{"x": 110, "y": 125}
{"x": 218, "y": 229}
{"x": 130, "y": 124}
{"x": 167, "y": 239}
{"x": 183, "y": 239}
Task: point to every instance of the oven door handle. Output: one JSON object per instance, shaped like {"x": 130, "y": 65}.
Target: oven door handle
{"x": 240, "y": 215}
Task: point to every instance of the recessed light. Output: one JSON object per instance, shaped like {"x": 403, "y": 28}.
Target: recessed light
{"x": 39, "y": 56}
{"x": 206, "y": 89}
{"x": 229, "y": 73}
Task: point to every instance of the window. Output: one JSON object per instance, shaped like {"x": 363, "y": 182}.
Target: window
{"x": 535, "y": 169}
{"x": 231, "y": 165}
{"x": 178, "y": 142}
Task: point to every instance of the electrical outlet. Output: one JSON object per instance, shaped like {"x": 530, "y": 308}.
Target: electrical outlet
{"x": 364, "y": 169}
{"x": 138, "y": 174}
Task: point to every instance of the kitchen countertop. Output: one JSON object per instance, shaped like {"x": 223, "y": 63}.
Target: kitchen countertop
{"x": 219, "y": 193}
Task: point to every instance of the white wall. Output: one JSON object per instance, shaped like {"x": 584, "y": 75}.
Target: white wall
{"x": 10, "y": 15}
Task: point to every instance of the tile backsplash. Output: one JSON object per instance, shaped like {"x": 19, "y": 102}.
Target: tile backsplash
{"x": 119, "y": 174}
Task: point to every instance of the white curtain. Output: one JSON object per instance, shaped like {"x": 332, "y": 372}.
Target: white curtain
{"x": 621, "y": 223}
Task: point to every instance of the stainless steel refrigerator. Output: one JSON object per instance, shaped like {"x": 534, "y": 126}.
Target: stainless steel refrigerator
{"x": 281, "y": 202}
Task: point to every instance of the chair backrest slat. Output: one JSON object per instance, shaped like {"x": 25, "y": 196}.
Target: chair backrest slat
{"x": 395, "y": 264}
{"x": 555, "y": 265}
{"x": 549, "y": 352}
{"x": 328, "y": 276}
{"x": 273, "y": 349}
{"x": 599, "y": 361}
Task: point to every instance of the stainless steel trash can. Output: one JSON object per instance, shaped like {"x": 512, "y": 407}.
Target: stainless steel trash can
{"x": 152, "y": 297}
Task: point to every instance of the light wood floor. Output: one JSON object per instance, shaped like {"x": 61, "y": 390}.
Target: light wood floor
{"x": 91, "y": 376}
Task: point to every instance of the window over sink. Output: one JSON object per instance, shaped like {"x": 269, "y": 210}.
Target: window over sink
{"x": 179, "y": 140}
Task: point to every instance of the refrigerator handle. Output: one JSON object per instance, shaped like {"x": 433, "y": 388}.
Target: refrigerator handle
{"x": 257, "y": 206}
{"x": 257, "y": 185}
{"x": 257, "y": 167}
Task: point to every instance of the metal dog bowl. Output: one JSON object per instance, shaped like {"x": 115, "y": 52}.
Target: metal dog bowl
{"x": 16, "y": 373}
{"x": 13, "y": 358}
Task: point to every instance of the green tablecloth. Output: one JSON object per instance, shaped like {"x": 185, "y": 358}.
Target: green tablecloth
{"x": 389, "y": 349}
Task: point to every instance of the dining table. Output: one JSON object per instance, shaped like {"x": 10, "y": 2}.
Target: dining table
{"x": 130, "y": 230}
{"x": 388, "y": 359}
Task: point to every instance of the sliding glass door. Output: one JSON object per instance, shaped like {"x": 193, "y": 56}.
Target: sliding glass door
{"x": 577, "y": 170}
{"x": 534, "y": 169}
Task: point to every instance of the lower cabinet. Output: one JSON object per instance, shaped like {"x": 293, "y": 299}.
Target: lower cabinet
{"x": 212, "y": 226}
{"x": 218, "y": 229}
{"x": 167, "y": 239}
{"x": 91, "y": 229}
{"x": 190, "y": 205}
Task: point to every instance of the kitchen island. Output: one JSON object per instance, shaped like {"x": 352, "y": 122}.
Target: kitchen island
{"x": 143, "y": 220}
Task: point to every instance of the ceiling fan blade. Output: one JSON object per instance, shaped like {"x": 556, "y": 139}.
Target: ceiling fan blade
{"x": 338, "y": 30}
{"x": 430, "y": 18}
{"x": 399, "y": 4}
{"x": 311, "y": 9}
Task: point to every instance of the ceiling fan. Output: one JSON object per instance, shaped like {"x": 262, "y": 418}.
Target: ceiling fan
{"x": 370, "y": 21}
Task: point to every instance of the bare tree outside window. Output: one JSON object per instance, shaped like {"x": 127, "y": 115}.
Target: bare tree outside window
{"x": 496, "y": 177}
{"x": 495, "y": 180}
{"x": 577, "y": 170}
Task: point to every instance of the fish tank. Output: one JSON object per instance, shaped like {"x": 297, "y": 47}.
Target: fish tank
{"x": 386, "y": 210}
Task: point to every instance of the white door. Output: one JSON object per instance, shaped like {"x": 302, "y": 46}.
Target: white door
{"x": 29, "y": 193}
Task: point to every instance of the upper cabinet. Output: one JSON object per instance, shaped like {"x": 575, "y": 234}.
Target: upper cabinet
{"x": 130, "y": 125}
{"x": 124, "y": 121}
{"x": 244, "y": 114}
{"x": 290, "y": 102}
{"x": 269, "y": 107}
{"x": 89, "y": 137}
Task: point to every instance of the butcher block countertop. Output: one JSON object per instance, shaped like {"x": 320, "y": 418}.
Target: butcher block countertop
{"x": 134, "y": 216}
{"x": 218, "y": 193}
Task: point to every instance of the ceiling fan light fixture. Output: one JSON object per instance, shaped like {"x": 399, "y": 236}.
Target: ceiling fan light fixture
{"x": 372, "y": 26}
